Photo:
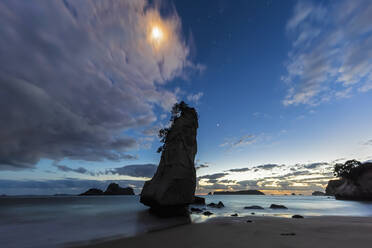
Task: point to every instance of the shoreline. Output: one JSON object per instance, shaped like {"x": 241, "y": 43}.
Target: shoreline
{"x": 255, "y": 231}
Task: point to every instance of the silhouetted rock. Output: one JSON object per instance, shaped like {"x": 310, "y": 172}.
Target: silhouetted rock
{"x": 318, "y": 193}
{"x": 112, "y": 189}
{"x": 234, "y": 215}
{"x": 293, "y": 194}
{"x": 173, "y": 184}
{"x": 93, "y": 192}
{"x": 210, "y": 193}
{"x": 196, "y": 210}
{"x": 333, "y": 185}
{"x": 276, "y": 206}
{"x": 356, "y": 186}
{"x": 288, "y": 234}
{"x": 199, "y": 200}
{"x": 297, "y": 216}
{"x": 207, "y": 213}
{"x": 241, "y": 192}
{"x": 214, "y": 205}
{"x": 253, "y": 207}
{"x": 115, "y": 189}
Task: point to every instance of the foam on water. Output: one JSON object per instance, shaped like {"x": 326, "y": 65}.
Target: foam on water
{"x": 57, "y": 221}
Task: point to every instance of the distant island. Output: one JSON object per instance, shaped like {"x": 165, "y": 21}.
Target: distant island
{"x": 112, "y": 189}
{"x": 240, "y": 192}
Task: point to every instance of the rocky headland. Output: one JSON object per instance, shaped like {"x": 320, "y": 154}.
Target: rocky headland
{"x": 355, "y": 181}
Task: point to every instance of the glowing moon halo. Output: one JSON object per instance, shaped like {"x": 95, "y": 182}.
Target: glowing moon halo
{"x": 157, "y": 35}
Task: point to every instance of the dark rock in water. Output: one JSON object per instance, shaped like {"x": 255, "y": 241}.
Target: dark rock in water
{"x": 293, "y": 194}
{"x": 276, "y": 206}
{"x": 297, "y": 216}
{"x": 175, "y": 179}
{"x": 93, "y": 192}
{"x": 207, "y": 213}
{"x": 252, "y": 213}
{"x": 249, "y": 221}
{"x": 333, "y": 185}
{"x": 199, "y": 200}
{"x": 288, "y": 234}
{"x": 253, "y": 207}
{"x": 241, "y": 192}
{"x": 234, "y": 215}
{"x": 318, "y": 193}
{"x": 196, "y": 210}
{"x": 214, "y": 205}
{"x": 115, "y": 189}
{"x": 210, "y": 193}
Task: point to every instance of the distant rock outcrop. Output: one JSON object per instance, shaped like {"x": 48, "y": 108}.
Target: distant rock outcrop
{"x": 357, "y": 186}
{"x": 115, "y": 189}
{"x": 318, "y": 193}
{"x": 241, "y": 192}
{"x": 93, "y": 192}
{"x": 112, "y": 189}
{"x": 172, "y": 187}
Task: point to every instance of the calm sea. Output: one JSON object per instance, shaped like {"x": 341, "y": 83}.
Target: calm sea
{"x": 61, "y": 221}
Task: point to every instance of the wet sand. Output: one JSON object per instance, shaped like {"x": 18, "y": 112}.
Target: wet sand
{"x": 260, "y": 232}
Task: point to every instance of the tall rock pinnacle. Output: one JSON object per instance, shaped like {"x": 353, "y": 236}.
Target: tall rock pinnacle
{"x": 172, "y": 187}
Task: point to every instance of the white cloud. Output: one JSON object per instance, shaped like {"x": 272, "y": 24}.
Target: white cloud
{"x": 75, "y": 75}
{"x": 332, "y": 51}
{"x": 195, "y": 97}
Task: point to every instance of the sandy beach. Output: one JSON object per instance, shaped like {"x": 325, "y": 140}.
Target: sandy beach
{"x": 255, "y": 232}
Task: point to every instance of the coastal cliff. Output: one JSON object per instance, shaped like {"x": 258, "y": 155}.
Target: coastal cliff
{"x": 172, "y": 187}
{"x": 356, "y": 184}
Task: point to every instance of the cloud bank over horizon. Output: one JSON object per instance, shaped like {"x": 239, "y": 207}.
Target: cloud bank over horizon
{"x": 76, "y": 75}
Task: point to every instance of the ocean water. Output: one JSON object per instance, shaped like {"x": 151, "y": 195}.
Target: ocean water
{"x": 67, "y": 220}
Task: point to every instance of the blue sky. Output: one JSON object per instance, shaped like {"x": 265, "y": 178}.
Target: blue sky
{"x": 282, "y": 83}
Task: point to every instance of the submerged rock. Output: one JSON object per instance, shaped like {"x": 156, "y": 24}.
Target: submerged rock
{"x": 173, "y": 185}
{"x": 297, "y": 216}
{"x": 253, "y": 207}
{"x": 277, "y": 206}
{"x": 214, "y": 205}
{"x": 234, "y": 215}
{"x": 207, "y": 213}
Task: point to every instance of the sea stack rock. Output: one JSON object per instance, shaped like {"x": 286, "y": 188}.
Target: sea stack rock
{"x": 172, "y": 187}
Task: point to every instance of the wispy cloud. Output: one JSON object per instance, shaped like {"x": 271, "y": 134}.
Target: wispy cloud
{"x": 195, "y": 97}
{"x": 331, "y": 53}
{"x": 242, "y": 141}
